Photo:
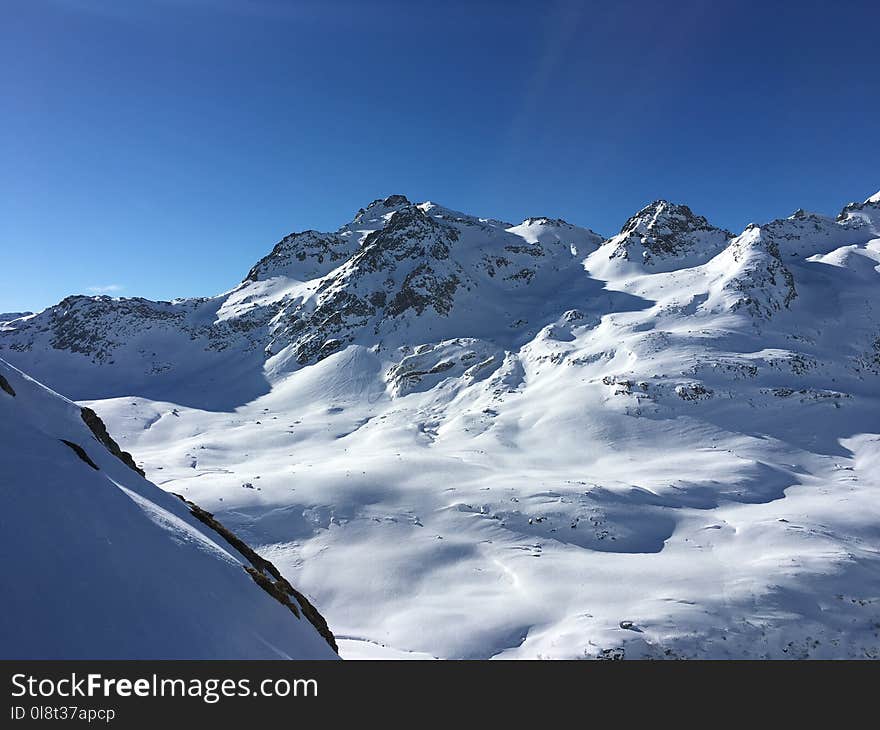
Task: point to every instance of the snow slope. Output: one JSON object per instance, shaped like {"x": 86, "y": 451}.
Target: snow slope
{"x": 100, "y": 563}
{"x": 468, "y": 438}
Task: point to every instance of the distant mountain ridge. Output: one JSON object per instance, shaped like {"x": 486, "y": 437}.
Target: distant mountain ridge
{"x": 469, "y": 438}
{"x": 398, "y": 268}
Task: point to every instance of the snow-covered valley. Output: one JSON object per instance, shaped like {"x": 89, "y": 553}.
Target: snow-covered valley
{"x": 465, "y": 438}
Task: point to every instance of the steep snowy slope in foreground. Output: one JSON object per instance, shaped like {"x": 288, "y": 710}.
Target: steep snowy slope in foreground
{"x": 99, "y": 563}
{"x": 472, "y": 439}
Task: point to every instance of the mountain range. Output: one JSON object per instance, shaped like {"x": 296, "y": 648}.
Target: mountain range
{"x": 469, "y": 438}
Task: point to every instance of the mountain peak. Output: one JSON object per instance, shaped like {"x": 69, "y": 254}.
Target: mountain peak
{"x": 554, "y": 232}
{"x": 662, "y": 214}
{"x": 382, "y": 206}
{"x": 303, "y": 256}
{"x": 395, "y": 200}
{"x": 867, "y": 211}
{"x": 667, "y": 232}
{"x": 403, "y": 219}
{"x": 543, "y": 220}
{"x": 803, "y": 215}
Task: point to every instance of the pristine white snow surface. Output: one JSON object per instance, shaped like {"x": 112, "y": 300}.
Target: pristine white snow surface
{"x": 465, "y": 438}
{"x": 99, "y": 563}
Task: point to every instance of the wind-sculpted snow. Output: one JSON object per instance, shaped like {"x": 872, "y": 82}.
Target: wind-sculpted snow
{"x": 468, "y": 438}
{"x": 100, "y": 563}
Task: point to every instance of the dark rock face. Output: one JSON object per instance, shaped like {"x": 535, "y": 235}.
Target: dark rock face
{"x": 81, "y": 453}
{"x": 97, "y": 427}
{"x": 99, "y": 430}
{"x": 392, "y": 201}
{"x": 267, "y": 576}
{"x": 6, "y": 387}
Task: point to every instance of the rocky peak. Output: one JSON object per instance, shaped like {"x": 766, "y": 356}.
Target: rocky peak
{"x": 382, "y": 206}
{"x": 303, "y": 256}
{"x": 804, "y": 215}
{"x": 755, "y": 277}
{"x": 661, "y": 219}
{"x": 671, "y": 232}
{"x": 804, "y": 233}
{"x": 312, "y": 254}
{"x": 399, "y": 268}
{"x": 544, "y": 221}
{"x": 406, "y": 227}
{"x": 395, "y": 200}
{"x": 868, "y": 211}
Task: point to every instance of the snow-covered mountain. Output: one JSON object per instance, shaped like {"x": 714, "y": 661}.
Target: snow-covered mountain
{"x": 469, "y": 438}
{"x": 100, "y": 563}
{"x": 396, "y": 274}
{"x": 664, "y": 236}
{"x": 9, "y": 316}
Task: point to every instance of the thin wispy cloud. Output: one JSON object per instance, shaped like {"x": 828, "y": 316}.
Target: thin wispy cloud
{"x": 105, "y": 289}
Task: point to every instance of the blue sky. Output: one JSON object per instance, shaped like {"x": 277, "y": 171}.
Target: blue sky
{"x": 158, "y": 148}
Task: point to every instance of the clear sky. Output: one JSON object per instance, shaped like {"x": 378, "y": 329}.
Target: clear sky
{"x": 159, "y": 147}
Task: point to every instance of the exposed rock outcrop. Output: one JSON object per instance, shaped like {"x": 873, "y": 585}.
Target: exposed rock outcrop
{"x": 266, "y": 575}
